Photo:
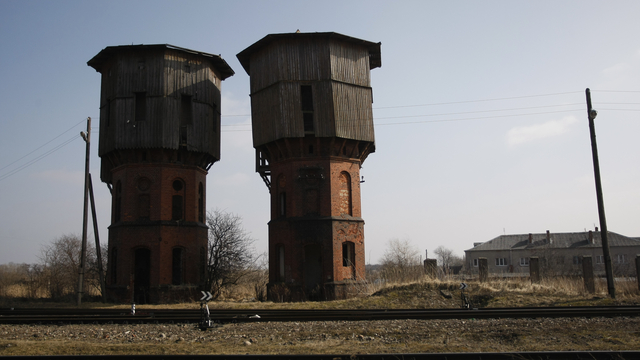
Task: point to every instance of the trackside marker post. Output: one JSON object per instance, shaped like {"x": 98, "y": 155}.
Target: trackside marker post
{"x": 205, "y": 315}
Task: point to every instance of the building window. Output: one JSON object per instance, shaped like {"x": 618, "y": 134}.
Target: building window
{"x": 501, "y": 262}
{"x": 599, "y": 259}
{"x": 141, "y": 106}
{"x": 117, "y": 206}
{"x": 475, "y": 262}
{"x": 524, "y": 261}
{"x": 201, "y": 203}
{"x": 177, "y": 265}
{"x": 622, "y": 258}
{"x": 577, "y": 260}
{"x": 345, "y": 194}
{"x": 306, "y": 98}
{"x": 186, "y": 110}
{"x": 177, "y": 201}
{"x": 348, "y": 254}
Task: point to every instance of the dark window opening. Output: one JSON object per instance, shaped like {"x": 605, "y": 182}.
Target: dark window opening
{"x": 141, "y": 106}
{"x": 348, "y": 253}
{"x": 118, "y": 202}
{"x": 201, "y": 203}
{"x": 577, "y": 260}
{"x": 283, "y": 204}
{"x": 310, "y": 149}
{"x": 177, "y": 185}
{"x": 141, "y": 275}
{"x": 176, "y": 208}
{"x": 177, "y": 264}
{"x": 306, "y": 99}
{"x": 186, "y": 110}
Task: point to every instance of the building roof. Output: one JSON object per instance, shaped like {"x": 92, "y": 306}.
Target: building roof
{"x": 216, "y": 60}
{"x": 557, "y": 240}
{"x": 375, "y": 59}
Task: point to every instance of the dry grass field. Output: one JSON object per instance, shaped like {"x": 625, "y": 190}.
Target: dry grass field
{"x": 353, "y": 337}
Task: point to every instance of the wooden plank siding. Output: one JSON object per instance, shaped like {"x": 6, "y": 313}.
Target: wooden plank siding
{"x": 164, "y": 78}
{"x": 339, "y": 74}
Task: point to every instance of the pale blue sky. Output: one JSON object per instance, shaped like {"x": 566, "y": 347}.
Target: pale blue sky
{"x": 480, "y": 112}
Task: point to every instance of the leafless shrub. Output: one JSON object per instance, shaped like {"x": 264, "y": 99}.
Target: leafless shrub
{"x": 401, "y": 262}
{"x": 60, "y": 261}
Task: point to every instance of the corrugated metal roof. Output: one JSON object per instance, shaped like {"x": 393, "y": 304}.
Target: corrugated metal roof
{"x": 558, "y": 240}
{"x": 375, "y": 59}
{"x": 218, "y": 62}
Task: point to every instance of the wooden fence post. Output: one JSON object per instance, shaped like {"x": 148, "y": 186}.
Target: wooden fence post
{"x": 534, "y": 269}
{"x": 431, "y": 267}
{"x": 587, "y": 274}
{"x": 483, "y": 269}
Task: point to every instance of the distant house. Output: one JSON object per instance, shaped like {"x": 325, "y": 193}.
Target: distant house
{"x": 559, "y": 253}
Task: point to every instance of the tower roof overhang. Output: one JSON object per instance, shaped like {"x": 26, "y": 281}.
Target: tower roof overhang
{"x": 217, "y": 61}
{"x": 375, "y": 59}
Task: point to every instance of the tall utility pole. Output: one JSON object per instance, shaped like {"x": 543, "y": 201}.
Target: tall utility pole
{"x": 83, "y": 254}
{"x": 603, "y": 221}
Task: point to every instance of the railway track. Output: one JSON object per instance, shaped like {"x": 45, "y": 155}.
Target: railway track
{"x": 543, "y": 355}
{"x": 49, "y": 316}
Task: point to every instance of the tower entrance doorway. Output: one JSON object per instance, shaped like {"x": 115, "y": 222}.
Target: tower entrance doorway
{"x": 313, "y": 271}
{"x": 142, "y": 276}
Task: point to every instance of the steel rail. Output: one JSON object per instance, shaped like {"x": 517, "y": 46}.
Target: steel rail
{"x": 41, "y": 316}
{"x": 541, "y": 355}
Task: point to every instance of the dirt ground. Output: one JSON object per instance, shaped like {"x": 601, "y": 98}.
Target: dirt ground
{"x": 326, "y": 337}
{"x": 350, "y": 337}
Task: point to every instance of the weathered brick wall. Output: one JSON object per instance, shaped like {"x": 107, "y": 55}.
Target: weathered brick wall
{"x": 154, "y": 229}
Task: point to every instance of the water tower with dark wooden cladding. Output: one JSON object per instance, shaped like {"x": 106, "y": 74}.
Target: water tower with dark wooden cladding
{"x": 312, "y": 125}
{"x": 159, "y": 135}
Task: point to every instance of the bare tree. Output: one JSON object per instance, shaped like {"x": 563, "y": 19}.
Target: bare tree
{"x": 60, "y": 261}
{"x": 230, "y": 252}
{"x": 444, "y": 256}
{"x": 401, "y": 261}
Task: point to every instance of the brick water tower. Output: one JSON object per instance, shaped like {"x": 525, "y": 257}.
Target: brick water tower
{"x": 312, "y": 126}
{"x": 159, "y": 135}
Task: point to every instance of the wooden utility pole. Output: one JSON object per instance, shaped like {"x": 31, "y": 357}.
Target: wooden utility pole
{"x": 591, "y": 113}
{"x": 83, "y": 255}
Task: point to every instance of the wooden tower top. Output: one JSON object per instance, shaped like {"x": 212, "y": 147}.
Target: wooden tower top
{"x": 311, "y": 84}
{"x": 159, "y": 97}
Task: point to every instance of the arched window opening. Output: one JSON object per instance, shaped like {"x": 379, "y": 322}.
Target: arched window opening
{"x": 117, "y": 206}
{"x": 177, "y": 201}
{"x": 201, "y": 203}
{"x": 177, "y": 266}
{"x": 348, "y": 253}
{"x": 345, "y": 194}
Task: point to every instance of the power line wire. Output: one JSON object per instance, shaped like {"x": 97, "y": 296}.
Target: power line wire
{"x": 41, "y": 146}
{"x": 40, "y": 157}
